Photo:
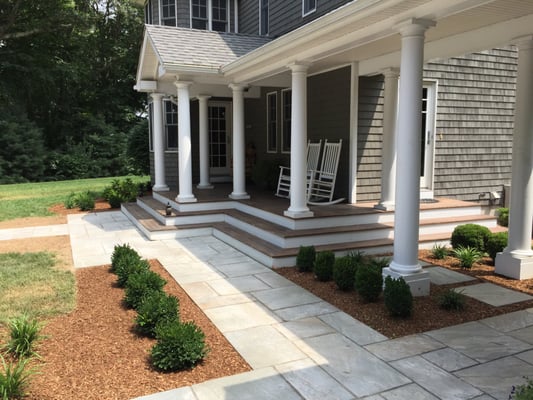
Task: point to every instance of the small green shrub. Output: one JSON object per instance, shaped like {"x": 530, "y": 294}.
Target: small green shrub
{"x": 305, "y": 258}
{"x": 451, "y": 300}
{"x": 24, "y": 333}
{"x": 398, "y": 297}
{"x": 522, "y": 392}
{"x": 369, "y": 282}
{"x": 121, "y": 253}
{"x": 439, "y": 251}
{"x": 140, "y": 284}
{"x": 357, "y": 257}
{"x": 179, "y": 346}
{"x": 120, "y": 191}
{"x": 156, "y": 308}
{"x": 14, "y": 378}
{"x": 496, "y": 243}
{"x": 467, "y": 256}
{"x": 84, "y": 201}
{"x": 125, "y": 269}
{"x": 323, "y": 267}
{"x": 344, "y": 271}
{"x": 503, "y": 216}
{"x": 70, "y": 201}
{"x": 381, "y": 262}
{"x": 470, "y": 235}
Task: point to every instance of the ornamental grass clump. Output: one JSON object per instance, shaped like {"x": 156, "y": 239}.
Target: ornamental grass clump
{"x": 305, "y": 258}
{"x": 323, "y": 267}
{"x": 344, "y": 270}
{"x": 139, "y": 285}
{"x": 179, "y": 346}
{"x": 15, "y": 378}
{"x": 439, "y": 251}
{"x": 156, "y": 308}
{"x": 467, "y": 256}
{"x": 369, "y": 282}
{"x": 398, "y": 297}
{"x": 23, "y": 335}
{"x": 452, "y": 300}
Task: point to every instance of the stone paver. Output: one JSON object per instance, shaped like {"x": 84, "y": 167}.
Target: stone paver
{"x": 304, "y": 348}
{"x": 493, "y": 294}
{"x": 444, "y": 276}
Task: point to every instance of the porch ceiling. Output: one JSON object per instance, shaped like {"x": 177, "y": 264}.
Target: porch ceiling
{"x": 366, "y": 31}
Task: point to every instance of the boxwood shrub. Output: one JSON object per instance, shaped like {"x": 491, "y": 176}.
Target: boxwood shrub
{"x": 156, "y": 308}
{"x": 398, "y": 298}
{"x": 121, "y": 251}
{"x": 344, "y": 270}
{"x": 323, "y": 267}
{"x": 369, "y": 282}
{"x": 471, "y": 235}
{"x": 128, "y": 266}
{"x": 496, "y": 243}
{"x": 140, "y": 284}
{"x": 305, "y": 258}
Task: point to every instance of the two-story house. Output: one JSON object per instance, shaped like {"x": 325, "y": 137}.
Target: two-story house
{"x": 426, "y": 95}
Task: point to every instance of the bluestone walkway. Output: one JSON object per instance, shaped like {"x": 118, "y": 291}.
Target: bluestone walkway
{"x": 301, "y": 347}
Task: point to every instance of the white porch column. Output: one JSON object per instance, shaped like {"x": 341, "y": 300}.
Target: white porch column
{"x": 516, "y": 261}
{"x": 239, "y": 172}
{"x": 388, "y": 157}
{"x": 354, "y": 129}
{"x": 185, "y": 194}
{"x": 204, "y": 144}
{"x": 158, "y": 143}
{"x": 298, "y": 201}
{"x": 406, "y": 218}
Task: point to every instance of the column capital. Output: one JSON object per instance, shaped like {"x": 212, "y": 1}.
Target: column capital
{"x": 299, "y": 66}
{"x": 203, "y": 97}
{"x": 523, "y": 42}
{"x": 182, "y": 84}
{"x": 391, "y": 72}
{"x": 414, "y": 26}
{"x": 238, "y": 87}
{"x": 156, "y": 96}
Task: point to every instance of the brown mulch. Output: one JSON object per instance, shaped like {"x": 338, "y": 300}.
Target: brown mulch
{"x": 427, "y": 315}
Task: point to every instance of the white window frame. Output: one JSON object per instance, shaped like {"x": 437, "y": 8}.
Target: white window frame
{"x": 283, "y": 133}
{"x": 167, "y": 147}
{"x": 269, "y": 121}
{"x": 148, "y": 13}
{"x": 161, "y": 13}
{"x": 210, "y": 15}
{"x": 310, "y": 10}
{"x": 267, "y": 31}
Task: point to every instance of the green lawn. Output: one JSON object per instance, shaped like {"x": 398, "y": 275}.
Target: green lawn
{"x": 34, "y": 199}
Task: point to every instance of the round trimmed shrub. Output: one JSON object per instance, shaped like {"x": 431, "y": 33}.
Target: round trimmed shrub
{"x": 140, "y": 284}
{"x": 128, "y": 266}
{"x": 471, "y": 235}
{"x": 496, "y": 243}
{"x": 369, "y": 282}
{"x": 179, "y": 346}
{"x": 323, "y": 267}
{"x": 155, "y": 309}
{"x": 344, "y": 271}
{"x": 398, "y": 297}
{"x": 121, "y": 251}
{"x": 305, "y": 258}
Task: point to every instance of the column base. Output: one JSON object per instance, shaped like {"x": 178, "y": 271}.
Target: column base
{"x": 160, "y": 188}
{"x": 239, "y": 196}
{"x": 385, "y": 206}
{"x": 204, "y": 186}
{"x": 418, "y": 281}
{"x": 298, "y": 214}
{"x": 514, "y": 266}
{"x": 187, "y": 198}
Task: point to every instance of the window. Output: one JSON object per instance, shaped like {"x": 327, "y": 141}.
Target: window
{"x": 171, "y": 124}
{"x": 168, "y": 12}
{"x": 286, "y": 106}
{"x": 148, "y": 12}
{"x": 210, "y": 15}
{"x": 308, "y": 6}
{"x": 272, "y": 122}
{"x": 263, "y": 17}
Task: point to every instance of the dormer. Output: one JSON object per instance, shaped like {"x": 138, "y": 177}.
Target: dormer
{"x": 212, "y": 15}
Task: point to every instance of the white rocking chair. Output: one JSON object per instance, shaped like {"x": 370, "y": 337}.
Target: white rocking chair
{"x": 322, "y": 183}
{"x": 284, "y": 181}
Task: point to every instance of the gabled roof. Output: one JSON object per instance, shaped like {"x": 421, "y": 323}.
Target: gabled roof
{"x": 193, "y": 50}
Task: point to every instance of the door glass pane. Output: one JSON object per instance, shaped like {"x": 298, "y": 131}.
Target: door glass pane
{"x": 217, "y": 136}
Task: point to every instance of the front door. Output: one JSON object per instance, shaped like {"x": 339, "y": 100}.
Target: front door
{"x": 219, "y": 141}
{"x": 428, "y": 137}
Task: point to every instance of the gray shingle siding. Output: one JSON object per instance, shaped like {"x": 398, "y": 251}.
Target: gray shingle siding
{"x": 183, "y": 12}
{"x": 249, "y": 17}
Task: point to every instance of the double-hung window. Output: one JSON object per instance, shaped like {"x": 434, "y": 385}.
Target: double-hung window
{"x": 272, "y": 122}
{"x": 210, "y": 15}
{"x": 308, "y": 6}
{"x": 263, "y": 17}
{"x": 286, "y": 107}
{"x": 171, "y": 124}
{"x": 148, "y": 12}
{"x": 168, "y": 12}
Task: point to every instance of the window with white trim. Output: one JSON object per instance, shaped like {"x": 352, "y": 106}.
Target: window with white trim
{"x": 272, "y": 122}
{"x": 263, "y": 17}
{"x": 171, "y": 124}
{"x": 210, "y": 15}
{"x": 308, "y": 7}
{"x": 286, "y": 107}
{"x": 148, "y": 12}
{"x": 168, "y": 12}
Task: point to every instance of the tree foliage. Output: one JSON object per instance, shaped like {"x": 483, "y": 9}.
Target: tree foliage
{"x": 67, "y": 67}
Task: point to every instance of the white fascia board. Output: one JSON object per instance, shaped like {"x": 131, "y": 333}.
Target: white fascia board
{"x": 146, "y": 86}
